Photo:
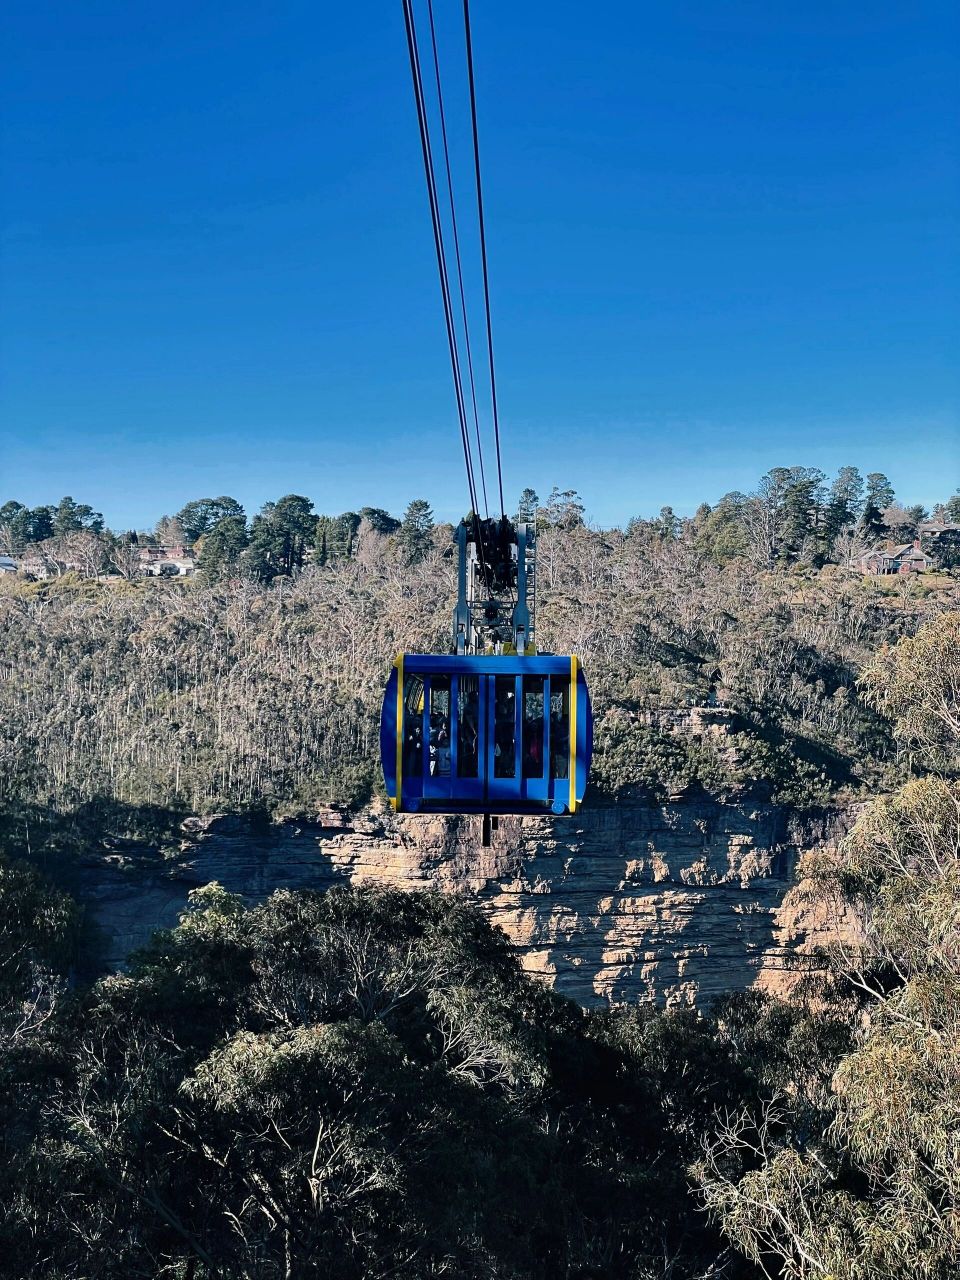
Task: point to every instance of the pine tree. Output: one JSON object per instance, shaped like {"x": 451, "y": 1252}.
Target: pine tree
{"x": 279, "y": 537}
{"x": 880, "y": 492}
{"x": 222, "y": 547}
{"x": 70, "y": 517}
{"x": 414, "y": 535}
{"x": 380, "y": 521}
{"x": 527, "y": 506}
{"x": 845, "y": 503}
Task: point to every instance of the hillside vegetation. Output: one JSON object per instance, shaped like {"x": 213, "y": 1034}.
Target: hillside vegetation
{"x": 364, "y": 1084}
{"x": 211, "y": 695}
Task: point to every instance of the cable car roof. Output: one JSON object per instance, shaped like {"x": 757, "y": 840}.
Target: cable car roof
{"x": 543, "y": 664}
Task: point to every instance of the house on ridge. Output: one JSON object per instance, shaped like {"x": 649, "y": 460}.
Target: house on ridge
{"x": 174, "y": 561}
{"x": 888, "y": 559}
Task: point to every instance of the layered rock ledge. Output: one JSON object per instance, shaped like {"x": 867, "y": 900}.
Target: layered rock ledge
{"x": 675, "y": 902}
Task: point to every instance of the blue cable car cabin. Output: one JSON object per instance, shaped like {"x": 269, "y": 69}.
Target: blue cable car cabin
{"x": 504, "y": 734}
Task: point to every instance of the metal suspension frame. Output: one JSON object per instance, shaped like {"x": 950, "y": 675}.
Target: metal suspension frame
{"x": 496, "y": 588}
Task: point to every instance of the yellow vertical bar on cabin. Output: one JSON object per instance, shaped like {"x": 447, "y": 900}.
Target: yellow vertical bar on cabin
{"x": 398, "y": 798}
{"x": 573, "y": 734}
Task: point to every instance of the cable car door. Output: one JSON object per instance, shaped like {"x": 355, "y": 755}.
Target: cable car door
{"x": 469, "y": 738}
{"x": 517, "y": 748}
{"x": 503, "y": 713}
{"x": 534, "y": 739}
{"x": 438, "y": 729}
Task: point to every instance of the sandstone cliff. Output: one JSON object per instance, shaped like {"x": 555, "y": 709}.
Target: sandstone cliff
{"x": 674, "y": 902}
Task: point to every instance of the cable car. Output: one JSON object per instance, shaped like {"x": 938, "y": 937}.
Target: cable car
{"x": 505, "y": 730}
{"x": 500, "y": 734}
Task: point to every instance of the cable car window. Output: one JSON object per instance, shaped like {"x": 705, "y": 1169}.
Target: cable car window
{"x": 468, "y": 726}
{"x": 559, "y": 727}
{"x": 413, "y": 725}
{"x": 505, "y": 727}
{"x": 533, "y": 726}
{"x": 440, "y": 726}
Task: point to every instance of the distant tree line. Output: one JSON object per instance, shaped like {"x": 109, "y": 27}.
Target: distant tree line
{"x": 285, "y": 534}
{"x": 277, "y": 542}
{"x": 20, "y": 526}
{"x": 794, "y": 516}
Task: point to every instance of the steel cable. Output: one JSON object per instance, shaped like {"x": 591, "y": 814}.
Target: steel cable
{"x": 456, "y": 250}
{"x": 483, "y": 245}
{"x": 427, "y": 151}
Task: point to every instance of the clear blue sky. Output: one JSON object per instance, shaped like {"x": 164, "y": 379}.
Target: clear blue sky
{"x": 723, "y": 236}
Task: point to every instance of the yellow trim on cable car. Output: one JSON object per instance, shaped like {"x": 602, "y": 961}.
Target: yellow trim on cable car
{"x": 573, "y": 734}
{"x": 398, "y": 798}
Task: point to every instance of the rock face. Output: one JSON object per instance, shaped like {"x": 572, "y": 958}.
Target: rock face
{"x": 675, "y": 902}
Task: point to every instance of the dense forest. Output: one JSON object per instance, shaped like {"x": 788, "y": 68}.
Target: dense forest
{"x": 364, "y": 1083}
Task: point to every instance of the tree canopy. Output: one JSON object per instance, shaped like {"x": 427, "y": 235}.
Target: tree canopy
{"x": 864, "y": 1181}
{"x": 360, "y": 1084}
{"x": 199, "y": 516}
